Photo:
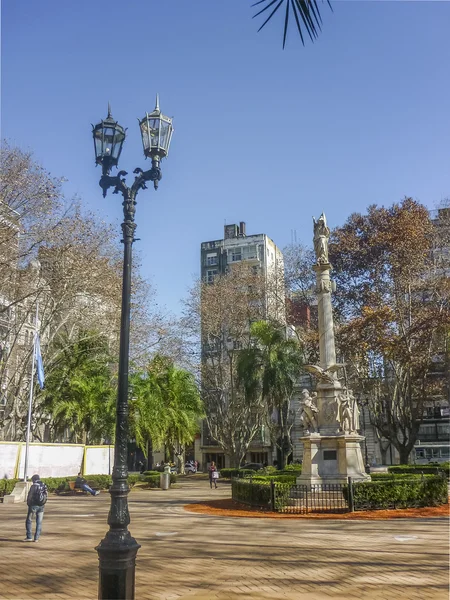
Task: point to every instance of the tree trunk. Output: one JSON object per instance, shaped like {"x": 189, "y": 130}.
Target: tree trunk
{"x": 404, "y": 452}
{"x": 383, "y": 452}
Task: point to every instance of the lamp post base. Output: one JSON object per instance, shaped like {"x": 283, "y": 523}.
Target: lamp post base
{"x": 117, "y": 558}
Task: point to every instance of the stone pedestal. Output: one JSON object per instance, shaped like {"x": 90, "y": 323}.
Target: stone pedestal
{"x": 332, "y": 459}
{"x": 19, "y": 493}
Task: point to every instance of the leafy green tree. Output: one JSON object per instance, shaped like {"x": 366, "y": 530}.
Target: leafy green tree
{"x": 165, "y": 406}
{"x": 80, "y": 390}
{"x": 270, "y": 369}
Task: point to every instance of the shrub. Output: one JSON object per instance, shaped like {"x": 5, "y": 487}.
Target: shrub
{"x": 255, "y": 494}
{"x": 293, "y": 467}
{"x": 133, "y": 479}
{"x": 268, "y": 470}
{"x": 397, "y": 476}
{"x": 425, "y": 469}
{"x": 399, "y": 493}
{"x": 153, "y": 481}
{"x": 230, "y": 473}
{"x": 7, "y": 486}
{"x": 290, "y": 479}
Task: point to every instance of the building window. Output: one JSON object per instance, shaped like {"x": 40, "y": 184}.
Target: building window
{"x": 211, "y": 259}
{"x": 249, "y": 252}
{"x": 236, "y": 254}
{"x": 210, "y": 274}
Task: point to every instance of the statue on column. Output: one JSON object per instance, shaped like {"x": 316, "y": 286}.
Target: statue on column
{"x": 321, "y": 235}
{"x": 355, "y": 411}
{"x": 308, "y": 417}
{"x": 348, "y": 412}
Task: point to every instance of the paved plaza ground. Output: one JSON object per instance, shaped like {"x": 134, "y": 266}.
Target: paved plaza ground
{"x": 186, "y": 555}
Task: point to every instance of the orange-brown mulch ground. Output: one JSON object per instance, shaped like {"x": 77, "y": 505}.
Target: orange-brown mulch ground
{"x": 229, "y": 508}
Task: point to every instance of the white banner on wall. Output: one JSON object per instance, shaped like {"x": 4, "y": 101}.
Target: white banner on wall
{"x": 53, "y": 460}
{"x": 99, "y": 460}
{"x": 8, "y": 460}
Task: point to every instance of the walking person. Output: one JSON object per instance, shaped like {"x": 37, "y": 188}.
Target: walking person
{"x": 213, "y": 475}
{"x": 36, "y": 499}
{"x": 81, "y": 483}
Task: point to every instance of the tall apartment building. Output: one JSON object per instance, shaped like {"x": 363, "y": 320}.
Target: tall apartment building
{"x": 263, "y": 255}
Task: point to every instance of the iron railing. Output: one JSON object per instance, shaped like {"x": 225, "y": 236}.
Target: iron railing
{"x": 339, "y": 498}
{"x": 318, "y": 498}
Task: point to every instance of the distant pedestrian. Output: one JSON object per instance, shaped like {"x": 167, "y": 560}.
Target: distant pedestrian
{"x": 36, "y": 499}
{"x": 81, "y": 484}
{"x": 196, "y": 465}
{"x": 213, "y": 475}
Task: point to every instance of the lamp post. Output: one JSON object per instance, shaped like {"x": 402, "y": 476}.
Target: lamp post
{"x": 117, "y": 550}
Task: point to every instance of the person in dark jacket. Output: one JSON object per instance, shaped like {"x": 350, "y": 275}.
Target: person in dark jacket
{"x": 36, "y": 499}
{"x": 81, "y": 484}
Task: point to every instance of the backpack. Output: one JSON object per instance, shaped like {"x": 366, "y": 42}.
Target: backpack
{"x": 40, "y": 494}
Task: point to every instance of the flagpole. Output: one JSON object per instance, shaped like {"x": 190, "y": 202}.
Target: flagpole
{"x": 30, "y": 399}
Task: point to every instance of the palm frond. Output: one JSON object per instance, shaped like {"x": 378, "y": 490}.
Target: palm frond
{"x": 306, "y": 13}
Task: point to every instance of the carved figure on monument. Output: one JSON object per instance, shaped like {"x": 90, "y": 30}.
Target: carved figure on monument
{"x": 308, "y": 417}
{"x": 355, "y": 411}
{"x": 345, "y": 413}
{"x": 323, "y": 375}
{"x": 321, "y": 235}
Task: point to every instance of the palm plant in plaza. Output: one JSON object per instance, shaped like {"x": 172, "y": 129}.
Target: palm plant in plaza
{"x": 80, "y": 390}
{"x": 270, "y": 370}
{"x": 165, "y": 406}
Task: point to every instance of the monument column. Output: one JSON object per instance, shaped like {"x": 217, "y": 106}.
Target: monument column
{"x": 330, "y": 416}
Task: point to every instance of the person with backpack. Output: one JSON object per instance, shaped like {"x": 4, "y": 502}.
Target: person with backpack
{"x": 36, "y": 499}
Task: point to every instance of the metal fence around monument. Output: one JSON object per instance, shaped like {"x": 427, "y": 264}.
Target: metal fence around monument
{"x": 287, "y": 498}
{"x": 391, "y": 493}
{"x": 315, "y": 498}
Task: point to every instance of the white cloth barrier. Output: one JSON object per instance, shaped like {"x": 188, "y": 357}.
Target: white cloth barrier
{"x": 54, "y": 460}
{"x": 98, "y": 460}
{"x": 9, "y": 454}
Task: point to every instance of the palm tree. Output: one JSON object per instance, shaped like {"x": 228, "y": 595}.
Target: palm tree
{"x": 305, "y": 12}
{"x": 80, "y": 389}
{"x": 271, "y": 369}
{"x": 165, "y": 406}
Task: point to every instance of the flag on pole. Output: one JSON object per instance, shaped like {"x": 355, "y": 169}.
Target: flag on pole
{"x": 39, "y": 365}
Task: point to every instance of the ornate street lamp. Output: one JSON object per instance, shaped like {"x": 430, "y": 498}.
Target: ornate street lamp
{"x": 117, "y": 551}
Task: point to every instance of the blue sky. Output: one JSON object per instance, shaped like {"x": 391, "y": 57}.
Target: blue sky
{"x": 262, "y": 135}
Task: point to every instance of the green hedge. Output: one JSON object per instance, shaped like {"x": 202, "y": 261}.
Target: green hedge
{"x": 398, "y": 476}
{"x": 247, "y": 492}
{"x": 399, "y": 493}
{"x": 230, "y": 473}
{"x": 291, "y": 479}
{"x": 152, "y": 481}
{"x": 292, "y": 467}
{"x": 7, "y": 486}
{"x": 430, "y": 469}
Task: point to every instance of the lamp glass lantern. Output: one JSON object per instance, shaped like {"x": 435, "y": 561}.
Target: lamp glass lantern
{"x": 156, "y": 132}
{"x": 109, "y": 137}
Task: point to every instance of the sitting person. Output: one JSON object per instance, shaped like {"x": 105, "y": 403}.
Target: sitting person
{"x": 81, "y": 484}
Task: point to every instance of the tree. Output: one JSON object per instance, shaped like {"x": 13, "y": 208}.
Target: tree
{"x": 80, "y": 390}
{"x": 217, "y": 322}
{"x": 392, "y": 304}
{"x": 66, "y": 259}
{"x": 270, "y": 369}
{"x": 165, "y": 406}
